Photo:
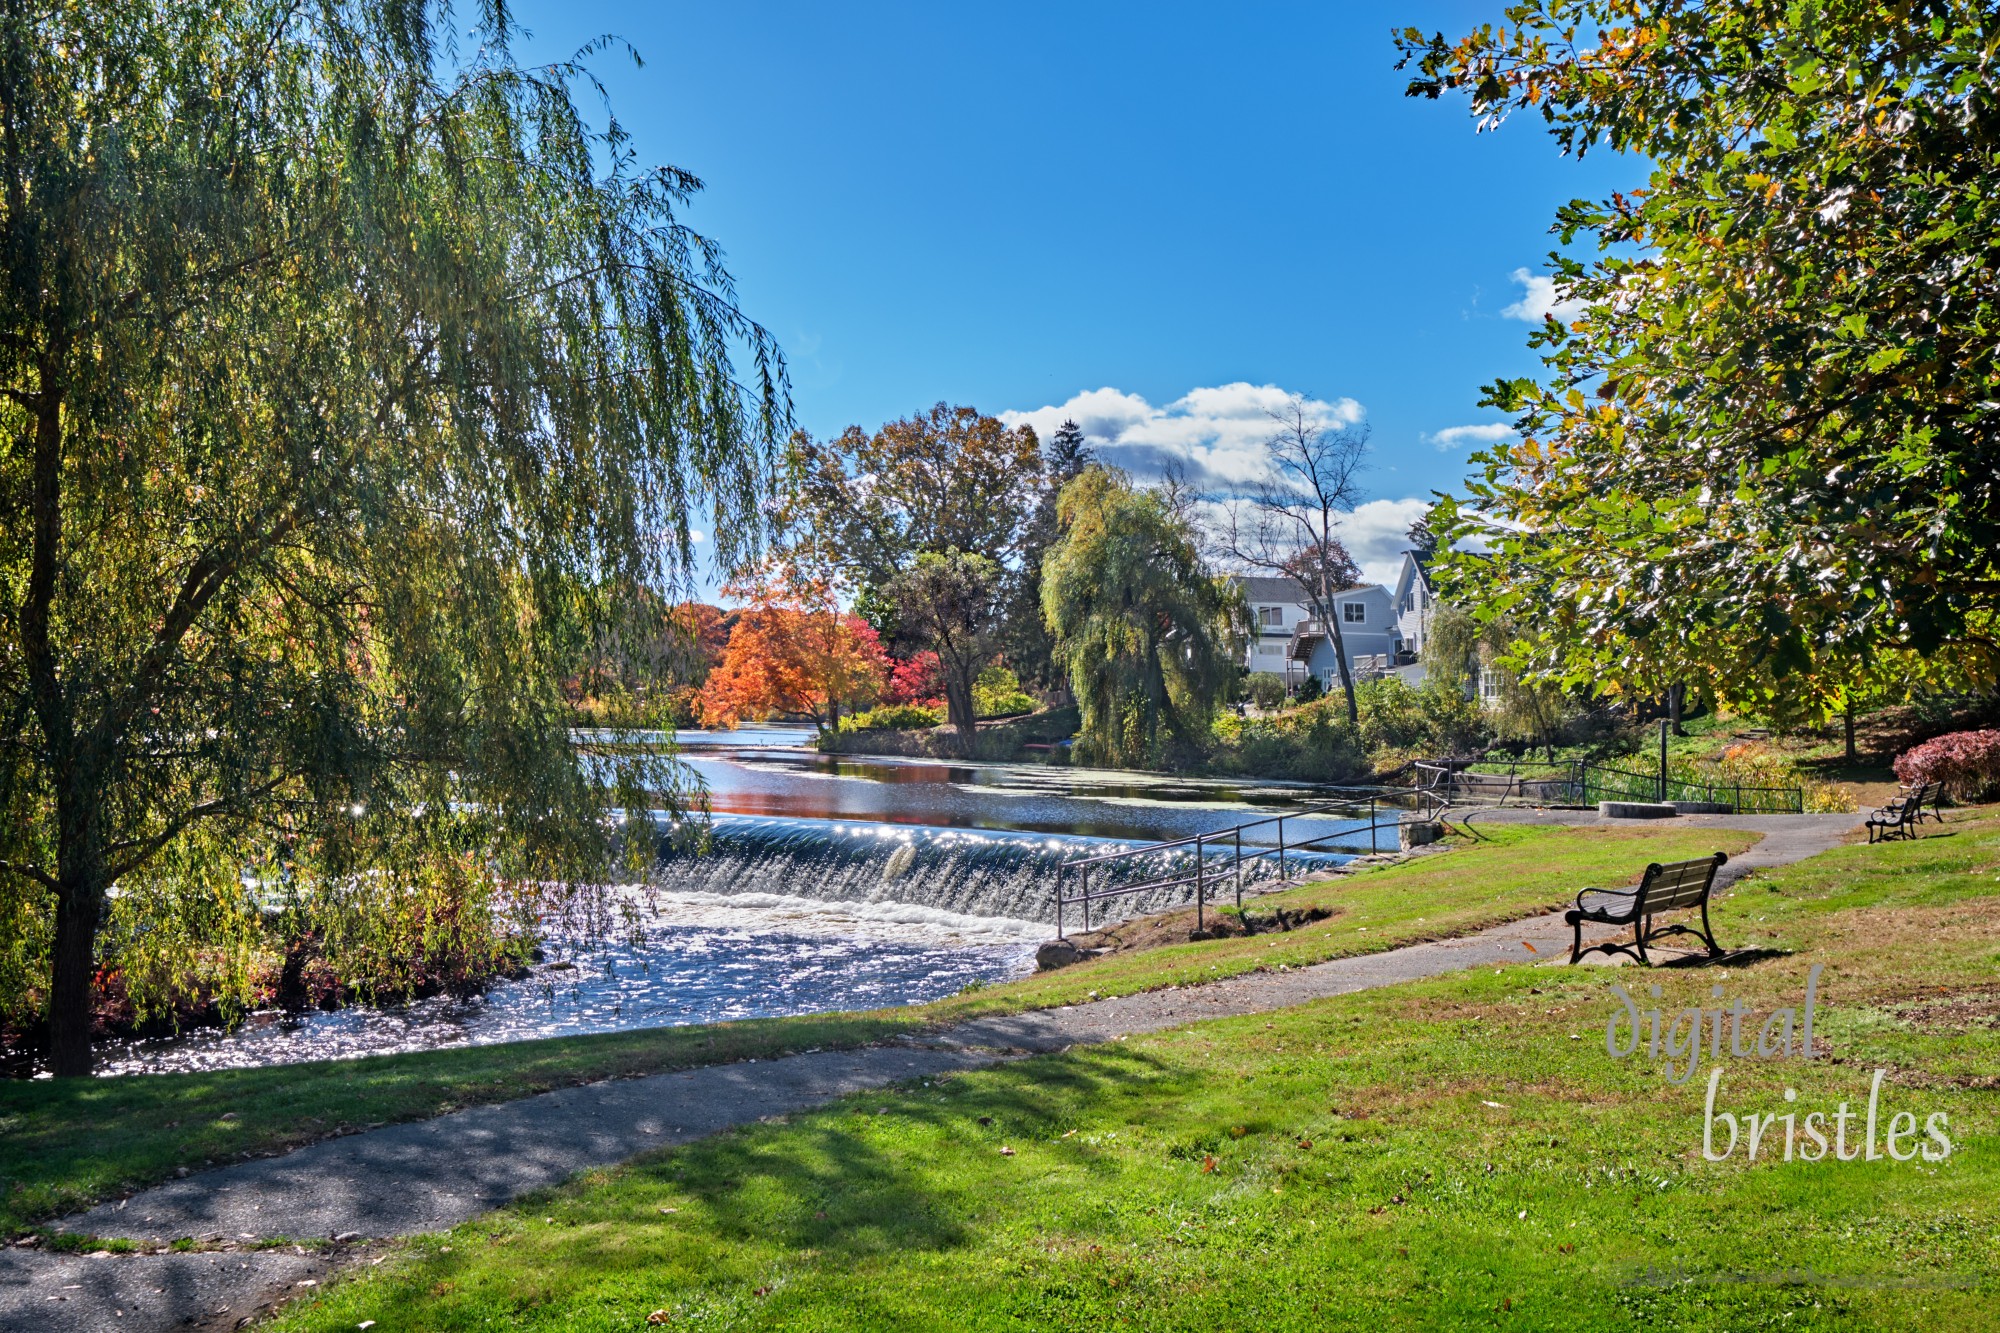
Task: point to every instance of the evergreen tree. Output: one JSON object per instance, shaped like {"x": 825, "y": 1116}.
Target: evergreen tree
{"x": 1025, "y": 638}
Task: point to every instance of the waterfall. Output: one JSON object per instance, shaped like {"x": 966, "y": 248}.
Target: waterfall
{"x": 905, "y": 871}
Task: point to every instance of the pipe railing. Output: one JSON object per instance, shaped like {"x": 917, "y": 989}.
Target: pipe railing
{"x": 1577, "y": 782}
{"x": 1201, "y": 876}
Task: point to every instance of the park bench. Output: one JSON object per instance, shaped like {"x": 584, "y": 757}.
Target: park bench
{"x": 1898, "y": 818}
{"x": 1674, "y": 887}
{"x": 1928, "y": 794}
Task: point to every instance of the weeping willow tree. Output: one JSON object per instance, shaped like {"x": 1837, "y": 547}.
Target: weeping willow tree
{"x": 346, "y": 378}
{"x": 1484, "y": 658}
{"x": 1148, "y": 635}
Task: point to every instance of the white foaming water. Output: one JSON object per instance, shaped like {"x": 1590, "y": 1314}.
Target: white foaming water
{"x": 882, "y": 919}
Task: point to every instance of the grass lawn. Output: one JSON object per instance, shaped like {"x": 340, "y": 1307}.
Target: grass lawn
{"x": 66, "y": 1144}
{"x": 1452, "y": 1154}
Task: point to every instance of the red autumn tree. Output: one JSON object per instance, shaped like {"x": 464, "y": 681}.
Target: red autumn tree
{"x": 917, "y": 679}
{"x": 794, "y": 651}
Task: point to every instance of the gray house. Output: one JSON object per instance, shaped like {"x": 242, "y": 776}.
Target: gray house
{"x": 1290, "y": 643}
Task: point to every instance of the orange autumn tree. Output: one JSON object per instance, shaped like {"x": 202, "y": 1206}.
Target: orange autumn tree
{"x": 794, "y": 651}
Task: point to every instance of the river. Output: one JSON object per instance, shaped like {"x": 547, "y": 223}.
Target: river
{"x": 832, "y": 882}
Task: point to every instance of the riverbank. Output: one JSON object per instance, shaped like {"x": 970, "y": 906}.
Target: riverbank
{"x": 69, "y": 1144}
{"x": 1267, "y": 1167}
{"x": 1453, "y": 1153}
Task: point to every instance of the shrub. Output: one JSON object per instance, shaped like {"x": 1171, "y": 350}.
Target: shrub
{"x": 1429, "y": 720}
{"x": 1392, "y": 715}
{"x": 1266, "y": 689}
{"x": 998, "y": 693}
{"x": 1310, "y": 690}
{"x": 893, "y": 717}
{"x": 1966, "y": 762}
{"x": 1312, "y": 743}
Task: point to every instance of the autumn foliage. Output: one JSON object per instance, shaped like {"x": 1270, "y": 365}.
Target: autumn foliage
{"x": 1966, "y": 762}
{"x": 917, "y": 679}
{"x": 793, "y": 651}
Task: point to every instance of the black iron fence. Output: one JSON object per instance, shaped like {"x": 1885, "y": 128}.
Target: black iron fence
{"x": 1577, "y": 782}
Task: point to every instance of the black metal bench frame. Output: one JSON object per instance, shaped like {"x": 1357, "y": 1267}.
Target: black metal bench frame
{"x": 1675, "y": 886}
{"x": 1935, "y": 796}
{"x": 1899, "y": 817}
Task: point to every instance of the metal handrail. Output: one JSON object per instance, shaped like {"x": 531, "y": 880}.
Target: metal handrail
{"x": 1433, "y": 806}
{"x": 1584, "y": 779}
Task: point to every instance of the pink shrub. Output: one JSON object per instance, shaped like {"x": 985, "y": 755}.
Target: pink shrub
{"x": 1966, "y": 762}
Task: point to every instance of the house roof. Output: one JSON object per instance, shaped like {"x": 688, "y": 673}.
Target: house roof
{"x": 1261, "y": 589}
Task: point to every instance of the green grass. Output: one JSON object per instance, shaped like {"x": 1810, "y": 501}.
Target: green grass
{"x": 64, "y": 1145}
{"x": 1459, "y": 1153}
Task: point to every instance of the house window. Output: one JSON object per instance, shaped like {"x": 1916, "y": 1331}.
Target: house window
{"x": 1271, "y": 616}
{"x": 1354, "y": 613}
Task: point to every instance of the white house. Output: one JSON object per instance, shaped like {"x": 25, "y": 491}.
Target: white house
{"x": 1290, "y": 643}
{"x": 1414, "y": 598}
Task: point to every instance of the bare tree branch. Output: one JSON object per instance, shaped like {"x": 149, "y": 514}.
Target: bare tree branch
{"x": 1311, "y": 483}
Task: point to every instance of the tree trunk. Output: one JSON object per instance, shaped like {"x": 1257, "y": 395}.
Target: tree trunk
{"x": 1847, "y": 724}
{"x": 959, "y": 709}
{"x": 79, "y": 902}
{"x": 1676, "y": 701}
{"x": 1334, "y": 637}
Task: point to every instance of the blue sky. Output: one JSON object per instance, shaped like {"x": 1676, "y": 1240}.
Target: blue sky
{"x": 1015, "y": 206}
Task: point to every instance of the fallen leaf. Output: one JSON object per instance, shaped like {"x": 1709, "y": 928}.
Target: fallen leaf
{"x": 1006, "y": 1152}
{"x": 670, "y": 1210}
{"x": 657, "y": 1317}
{"x": 1498, "y": 1106}
{"x": 1306, "y": 1144}
{"x": 1207, "y": 1164}
{"x": 1529, "y": 947}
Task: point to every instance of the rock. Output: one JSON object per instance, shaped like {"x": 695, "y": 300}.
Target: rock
{"x": 1419, "y": 832}
{"x": 1061, "y": 953}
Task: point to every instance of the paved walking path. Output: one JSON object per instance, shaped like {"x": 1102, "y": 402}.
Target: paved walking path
{"x": 433, "y": 1174}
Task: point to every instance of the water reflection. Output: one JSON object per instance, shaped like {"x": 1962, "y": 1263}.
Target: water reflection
{"x": 837, "y": 883}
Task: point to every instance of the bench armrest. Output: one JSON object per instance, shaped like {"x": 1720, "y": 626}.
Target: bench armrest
{"x": 1610, "y": 899}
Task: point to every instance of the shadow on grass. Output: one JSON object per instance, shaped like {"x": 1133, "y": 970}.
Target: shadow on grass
{"x": 839, "y": 1181}
{"x": 1727, "y": 958}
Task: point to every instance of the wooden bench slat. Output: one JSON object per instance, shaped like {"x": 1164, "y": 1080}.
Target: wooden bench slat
{"x": 1675, "y": 886}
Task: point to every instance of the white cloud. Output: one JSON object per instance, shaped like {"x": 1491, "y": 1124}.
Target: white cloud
{"x": 1458, "y": 437}
{"x": 1377, "y": 533}
{"x": 1218, "y": 432}
{"x": 1539, "y": 299}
